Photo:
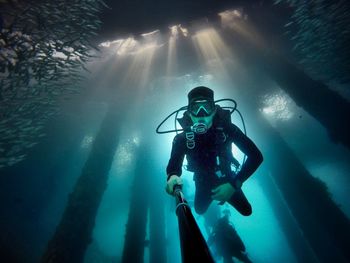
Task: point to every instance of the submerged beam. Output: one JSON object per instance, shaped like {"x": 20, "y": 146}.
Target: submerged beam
{"x": 74, "y": 232}
{"x": 321, "y": 102}
{"x": 158, "y": 243}
{"x": 296, "y": 241}
{"x": 323, "y": 224}
{"x": 135, "y": 235}
{"x": 324, "y": 104}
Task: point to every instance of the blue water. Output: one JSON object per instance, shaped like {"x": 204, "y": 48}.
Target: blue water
{"x": 34, "y": 192}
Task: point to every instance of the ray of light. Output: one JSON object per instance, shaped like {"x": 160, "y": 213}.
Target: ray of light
{"x": 113, "y": 59}
{"x": 130, "y": 57}
{"x": 211, "y": 50}
{"x": 139, "y": 69}
{"x": 172, "y": 56}
{"x": 238, "y": 22}
{"x": 137, "y": 75}
{"x": 184, "y": 31}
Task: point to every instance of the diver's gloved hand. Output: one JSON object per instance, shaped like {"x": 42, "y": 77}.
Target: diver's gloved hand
{"x": 223, "y": 192}
{"x": 173, "y": 180}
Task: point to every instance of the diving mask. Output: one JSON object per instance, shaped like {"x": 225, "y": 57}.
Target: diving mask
{"x": 201, "y": 123}
{"x": 201, "y": 108}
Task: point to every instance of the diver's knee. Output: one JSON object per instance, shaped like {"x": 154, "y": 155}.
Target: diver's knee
{"x": 247, "y": 211}
{"x": 200, "y": 210}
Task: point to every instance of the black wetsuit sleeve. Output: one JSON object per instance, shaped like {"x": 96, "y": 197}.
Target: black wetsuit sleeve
{"x": 247, "y": 146}
{"x": 177, "y": 156}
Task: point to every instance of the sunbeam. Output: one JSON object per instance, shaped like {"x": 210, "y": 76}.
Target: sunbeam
{"x": 211, "y": 49}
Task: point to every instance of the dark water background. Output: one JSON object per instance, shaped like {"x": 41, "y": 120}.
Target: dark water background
{"x": 130, "y": 89}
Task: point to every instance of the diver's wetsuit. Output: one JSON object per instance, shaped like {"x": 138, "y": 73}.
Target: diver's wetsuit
{"x": 203, "y": 161}
{"x": 227, "y": 242}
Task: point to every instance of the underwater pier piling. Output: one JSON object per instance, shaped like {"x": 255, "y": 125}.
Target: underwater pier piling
{"x": 158, "y": 242}
{"x": 294, "y": 236}
{"x": 324, "y": 226}
{"x": 146, "y": 210}
{"x": 322, "y": 223}
{"x": 135, "y": 233}
{"x": 74, "y": 232}
{"x": 324, "y": 104}
{"x": 315, "y": 97}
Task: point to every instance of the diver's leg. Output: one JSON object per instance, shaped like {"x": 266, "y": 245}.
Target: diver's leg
{"x": 228, "y": 259}
{"x": 240, "y": 202}
{"x": 202, "y": 198}
{"x": 243, "y": 257}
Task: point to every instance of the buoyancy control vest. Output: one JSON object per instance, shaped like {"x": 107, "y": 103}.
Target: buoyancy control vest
{"x": 223, "y": 151}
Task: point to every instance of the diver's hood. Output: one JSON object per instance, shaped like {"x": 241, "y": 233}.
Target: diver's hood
{"x": 185, "y": 121}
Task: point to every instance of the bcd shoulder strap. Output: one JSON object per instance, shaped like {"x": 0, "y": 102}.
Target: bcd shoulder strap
{"x": 222, "y": 118}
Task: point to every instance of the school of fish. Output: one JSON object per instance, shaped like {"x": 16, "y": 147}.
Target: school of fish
{"x": 44, "y": 47}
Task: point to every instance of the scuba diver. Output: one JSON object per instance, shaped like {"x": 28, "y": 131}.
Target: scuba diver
{"x": 206, "y": 141}
{"x": 226, "y": 241}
